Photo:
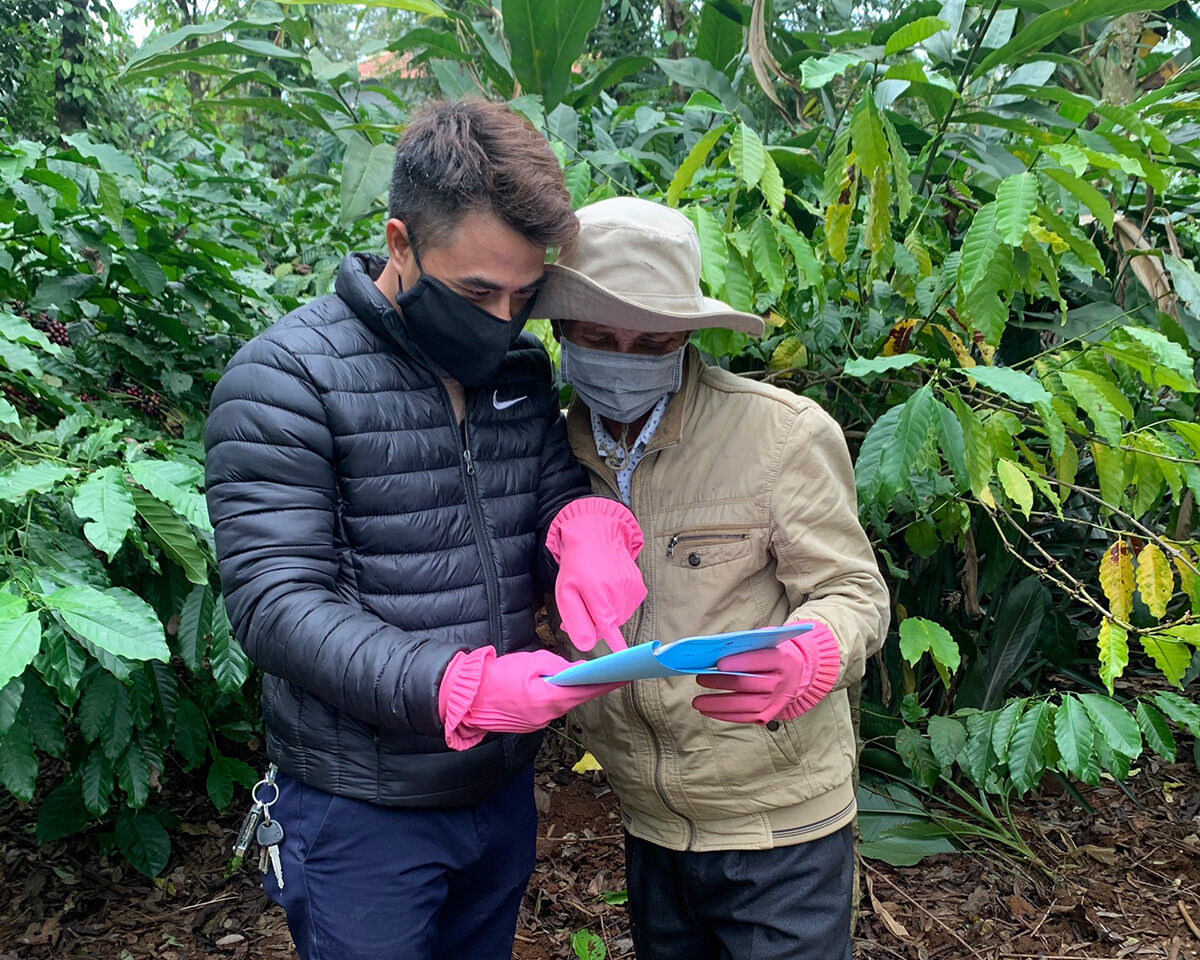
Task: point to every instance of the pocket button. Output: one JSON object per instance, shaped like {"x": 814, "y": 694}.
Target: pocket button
{"x": 694, "y": 559}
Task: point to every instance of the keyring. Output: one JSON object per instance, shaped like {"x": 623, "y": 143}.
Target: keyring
{"x": 269, "y": 783}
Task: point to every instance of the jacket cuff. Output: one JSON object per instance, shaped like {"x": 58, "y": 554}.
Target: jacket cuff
{"x": 620, "y": 521}
{"x": 459, "y": 687}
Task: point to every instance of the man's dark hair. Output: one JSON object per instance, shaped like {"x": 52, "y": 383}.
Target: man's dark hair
{"x": 474, "y": 155}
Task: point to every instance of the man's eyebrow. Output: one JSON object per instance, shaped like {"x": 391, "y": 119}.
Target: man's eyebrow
{"x": 483, "y": 283}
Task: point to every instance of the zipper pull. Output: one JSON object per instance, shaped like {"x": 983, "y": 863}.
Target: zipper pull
{"x": 469, "y": 462}
{"x": 671, "y": 546}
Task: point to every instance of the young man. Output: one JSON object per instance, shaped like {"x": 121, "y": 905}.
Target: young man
{"x": 384, "y": 466}
{"x": 737, "y": 804}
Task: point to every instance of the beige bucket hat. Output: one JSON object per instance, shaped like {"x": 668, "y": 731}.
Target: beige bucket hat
{"x": 635, "y": 264}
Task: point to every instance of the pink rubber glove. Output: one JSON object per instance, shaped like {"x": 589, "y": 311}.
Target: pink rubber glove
{"x": 483, "y": 693}
{"x": 596, "y": 541}
{"x": 791, "y": 679}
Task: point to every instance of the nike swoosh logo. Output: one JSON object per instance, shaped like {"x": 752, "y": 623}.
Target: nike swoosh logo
{"x": 504, "y": 404}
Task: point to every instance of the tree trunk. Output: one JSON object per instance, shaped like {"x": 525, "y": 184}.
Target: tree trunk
{"x": 674, "y": 17}
{"x": 1119, "y": 61}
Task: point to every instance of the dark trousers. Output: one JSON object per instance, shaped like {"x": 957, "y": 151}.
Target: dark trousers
{"x": 364, "y": 882}
{"x": 791, "y": 903}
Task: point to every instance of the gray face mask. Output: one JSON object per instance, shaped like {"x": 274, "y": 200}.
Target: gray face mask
{"x": 620, "y": 386}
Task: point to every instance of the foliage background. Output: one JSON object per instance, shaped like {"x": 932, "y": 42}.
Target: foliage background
{"x": 970, "y": 229}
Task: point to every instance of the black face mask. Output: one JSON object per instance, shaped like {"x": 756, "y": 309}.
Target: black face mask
{"x": 463, "y": 340}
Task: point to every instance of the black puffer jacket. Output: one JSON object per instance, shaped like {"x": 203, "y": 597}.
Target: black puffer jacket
{"x": 364, "y": 539}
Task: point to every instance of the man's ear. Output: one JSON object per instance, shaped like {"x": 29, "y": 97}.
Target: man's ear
{"x": 400, "y": 252}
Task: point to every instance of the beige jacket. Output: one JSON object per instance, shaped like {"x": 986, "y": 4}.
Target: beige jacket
{"x": 746, "y": 499}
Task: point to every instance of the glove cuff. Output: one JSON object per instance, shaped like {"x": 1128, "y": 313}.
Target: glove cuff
{"x": 458, "y": 690}
{"x": 821, "y": 648}
{"x": 613, "y": 513}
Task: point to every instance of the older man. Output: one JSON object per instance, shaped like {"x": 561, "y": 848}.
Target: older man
{"x": 737, "y": 804}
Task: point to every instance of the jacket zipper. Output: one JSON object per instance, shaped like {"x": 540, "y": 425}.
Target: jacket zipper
{"x": 683, "y": 538}
{"x": 659, "y": 783}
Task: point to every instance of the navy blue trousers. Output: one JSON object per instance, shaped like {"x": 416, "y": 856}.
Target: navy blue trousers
{"x": 790, "y": 903}
{"x": 364, "y": 882}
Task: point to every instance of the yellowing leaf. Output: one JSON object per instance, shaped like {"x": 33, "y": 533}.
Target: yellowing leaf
{"x": 961, "y": 353}
{"x": 1038, "y": 231}
{"x": 1169, "y": 654}
{"x": 1155, "y": 580}
{"x": 1016, "y": 485}
{"x": 587, "y": 763}
{"x": 1114, "y": 653}
{"x": 1189, "y": 581}
{"x": 790, "y": 353}
{"x": 1116, "y": 577}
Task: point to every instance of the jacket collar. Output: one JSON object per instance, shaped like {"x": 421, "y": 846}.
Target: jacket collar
{"x": 670, "y": 431}
{"x": 355, "y": 284}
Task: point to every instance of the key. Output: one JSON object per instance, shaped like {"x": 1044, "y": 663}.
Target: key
{"x": 270, "y": 836}
{"x": 246, "y": 833}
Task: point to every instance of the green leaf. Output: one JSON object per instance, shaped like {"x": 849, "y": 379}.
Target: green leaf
{"x": 96, "y": 779}
{"x": 1011, "y": 383}
{"x": 1083, "y": 248}
{"x": 748, "y": 154}
{"x": 10, "y": 702}
{"x": 230, "y": 665}
{"x": 366, "y": 173}
{"x": 1027, "y": 752}
{"x": 133, "y": 774}
{"x": 587, "y": 946}
{"x": 1156, "y": 730}
{"x": 1100, "y": 399}
{"x": 144, "y": 841}
{"x": 191, "y": 733}
{"x": 696, "y": 73}
{"x": 719, "y": 39}
{"x": 713, "y": 255}
{"x": 20, "y": 640}
{"x": 868, "y": 139}
{"x": 1006, "y": 723}
{"x": 1015, "y": 202}
{"x": 979, "y": 248}
{"x": 104, "y": 500}
{"x": 546, "y": 37}
{"x": 1057, "y": 20}
{"x": 1114, "y": 723}
{"x": 918, "y": 636}
{"x": 764, "y": 244}
{"x": 977, "y": 450}
{"x": 1074, "y": 734}
{"x": 862, "y": 367}
{"x": 112, "y": 207}
{"x": 173, "y": 534}
{"x": 913, "y": 33}
{"x": 1085, "y": 193}
{"x": 771, "y": 185}
{"x": 914, "y": 429}
{"x": 817, "y": 72}
{"x": 978, "y": 757}
{"x": 195, "y": 624}
{"x": 947, "y": 738}
{"x": 97, "y": 704}
{"x": 1114, "y": 652}
{"x": 146, "y": 272}
{"x": 223, "y": 774}
{"x": 62, "y": 813}
{"x": 917, "y": 755}
{"x": 692, "y": 163}
{"x": 171, "y": 481}
{"x": 18, "y": 762}
{"x": 112, "y": 626}
{"x": 1183, "y": 712}
{"x": 18, "y": 483}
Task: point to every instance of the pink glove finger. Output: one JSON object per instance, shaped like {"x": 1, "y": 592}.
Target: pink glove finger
{"x": 764, "y": 684}
{"x": 716, "y": 706}
{"x": 770, "y": 660}
{"x": 611, "y": 634}
{"x": 576, "y": 620}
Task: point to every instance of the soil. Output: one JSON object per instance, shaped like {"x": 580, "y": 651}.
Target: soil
{"x": 1126, "y": 883}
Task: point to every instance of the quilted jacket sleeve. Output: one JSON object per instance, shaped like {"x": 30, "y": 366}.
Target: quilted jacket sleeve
{"x": 824, "y": 558}
{"x": 562, "y": 479}
{"x": 272, "y": 496}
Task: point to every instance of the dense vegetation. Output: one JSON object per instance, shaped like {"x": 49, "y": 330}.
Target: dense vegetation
{"x": 971, "y": 231}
